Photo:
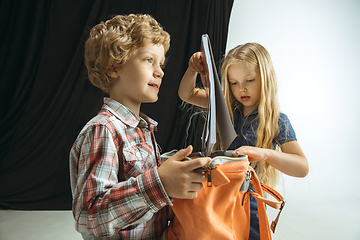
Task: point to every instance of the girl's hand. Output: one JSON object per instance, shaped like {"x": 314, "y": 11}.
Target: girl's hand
{"x": 254, "y": 154}
{"x": 291, "y": 160}
{"x": 196, "y": 63}
{"x": 188, "y": 91}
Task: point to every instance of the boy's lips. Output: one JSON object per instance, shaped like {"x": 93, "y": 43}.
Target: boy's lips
{"x": 153, "y": 85}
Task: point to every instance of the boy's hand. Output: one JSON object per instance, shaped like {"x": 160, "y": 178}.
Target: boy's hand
{"x": 178, "y": 177}
{"x": 196, "y": 63}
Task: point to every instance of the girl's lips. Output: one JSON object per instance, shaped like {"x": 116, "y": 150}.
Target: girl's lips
{"x": 245, "y": 98}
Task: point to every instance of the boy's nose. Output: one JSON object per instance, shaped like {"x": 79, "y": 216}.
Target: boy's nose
{"x": 159, "y": 73}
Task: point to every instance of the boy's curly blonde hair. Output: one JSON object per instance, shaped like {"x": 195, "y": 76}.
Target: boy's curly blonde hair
{"x": 113, "y": 42}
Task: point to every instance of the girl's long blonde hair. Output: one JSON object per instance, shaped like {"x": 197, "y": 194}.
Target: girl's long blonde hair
{"x": 268, "y": 108}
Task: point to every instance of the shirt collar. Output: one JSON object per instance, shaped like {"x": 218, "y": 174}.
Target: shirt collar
{"x": 127, "y": 116}
{"x": 240, "y": 113}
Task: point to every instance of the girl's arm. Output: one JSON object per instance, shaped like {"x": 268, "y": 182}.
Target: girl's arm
{"x": 187, "y": 91}
{"x": 291, "y": 160}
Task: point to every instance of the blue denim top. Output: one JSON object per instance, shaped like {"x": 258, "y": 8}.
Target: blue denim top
{"x": 246, "y": 127}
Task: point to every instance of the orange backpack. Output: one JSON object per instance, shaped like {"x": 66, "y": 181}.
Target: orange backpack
{"x": 222, "y": 209}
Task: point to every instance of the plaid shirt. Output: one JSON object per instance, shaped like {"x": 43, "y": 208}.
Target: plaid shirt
{"x": 117, "y": 193}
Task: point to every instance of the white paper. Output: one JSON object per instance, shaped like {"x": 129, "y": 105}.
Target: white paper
{"x": 217, "y": 115}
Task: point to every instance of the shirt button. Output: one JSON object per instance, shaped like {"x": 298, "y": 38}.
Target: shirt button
{"x": 138, "y": 154}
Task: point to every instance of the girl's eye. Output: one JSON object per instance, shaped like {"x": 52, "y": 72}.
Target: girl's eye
{"x": 233, "y": 83}
{"x": 250, "y": 80}
{"x": 148, "y": 60}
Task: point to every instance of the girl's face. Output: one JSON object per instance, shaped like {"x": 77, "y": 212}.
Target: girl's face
{"x": 245, "y": 85}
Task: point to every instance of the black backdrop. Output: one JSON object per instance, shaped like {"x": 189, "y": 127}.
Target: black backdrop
{"x": 46, "y": 97}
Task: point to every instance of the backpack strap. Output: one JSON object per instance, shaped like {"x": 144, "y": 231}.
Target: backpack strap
{"x": 279, "y": 203}
{"x": 280, "y": 199}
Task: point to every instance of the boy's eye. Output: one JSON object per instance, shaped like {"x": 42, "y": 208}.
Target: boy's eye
{"x": 149, "y": 60}
{"x": 250, "y": 80}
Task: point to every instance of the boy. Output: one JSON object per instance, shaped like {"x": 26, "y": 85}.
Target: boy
{"x": 120, "y": 191}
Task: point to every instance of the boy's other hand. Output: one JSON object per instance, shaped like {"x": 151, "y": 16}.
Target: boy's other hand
{"x": 178, "y": 177}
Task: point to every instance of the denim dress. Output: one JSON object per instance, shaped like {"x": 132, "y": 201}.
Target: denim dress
{"x": 245, "y": 128}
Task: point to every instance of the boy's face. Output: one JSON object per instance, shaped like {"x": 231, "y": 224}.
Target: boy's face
{"x": 139, "y": 79}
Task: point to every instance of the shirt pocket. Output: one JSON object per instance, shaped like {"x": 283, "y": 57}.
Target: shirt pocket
{"x": 250, "y": 138}
{"x": 138, "y": 158}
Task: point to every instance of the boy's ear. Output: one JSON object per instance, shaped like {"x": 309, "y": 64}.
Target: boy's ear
{"x": 113, "y": 73}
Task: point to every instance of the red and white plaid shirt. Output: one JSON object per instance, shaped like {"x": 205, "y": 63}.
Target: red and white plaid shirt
{"x": 117, "y": 193}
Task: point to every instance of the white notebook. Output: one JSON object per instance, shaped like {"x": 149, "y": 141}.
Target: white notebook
{"x": 217, "y": 113}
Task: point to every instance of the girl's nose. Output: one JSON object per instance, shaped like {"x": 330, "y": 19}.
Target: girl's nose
{"x": 242, "y": 88}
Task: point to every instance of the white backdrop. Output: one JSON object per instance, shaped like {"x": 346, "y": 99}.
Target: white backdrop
{"x": 315, "y": 48}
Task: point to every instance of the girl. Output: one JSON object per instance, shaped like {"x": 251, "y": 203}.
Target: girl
{"x": 249, "y": 86}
